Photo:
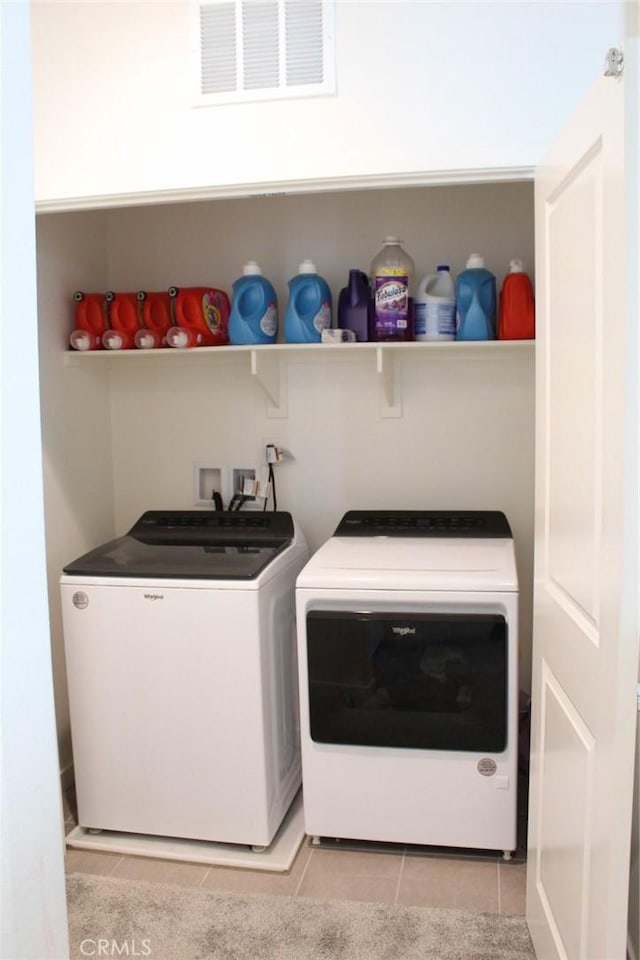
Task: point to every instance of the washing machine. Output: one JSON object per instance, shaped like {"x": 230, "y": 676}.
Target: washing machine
{"x": 407, "y": 625}
{"x": 182, "y": 678}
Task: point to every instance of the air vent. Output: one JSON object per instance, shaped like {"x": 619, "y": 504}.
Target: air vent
{"x": 264, "y": 49}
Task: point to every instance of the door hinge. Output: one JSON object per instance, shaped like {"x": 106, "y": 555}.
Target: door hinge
{"x": 614, "y": 62}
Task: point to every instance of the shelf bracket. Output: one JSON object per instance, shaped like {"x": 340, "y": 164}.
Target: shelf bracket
{"x": 272, "y": 376}
{"x": 386, "y": 369}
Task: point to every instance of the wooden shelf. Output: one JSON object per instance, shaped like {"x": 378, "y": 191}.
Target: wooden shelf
{"x": 268, "y": 363}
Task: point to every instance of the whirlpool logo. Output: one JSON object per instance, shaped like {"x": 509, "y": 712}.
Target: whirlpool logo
{"x": 404, "y": 631}
{"x": 154, "y": 596}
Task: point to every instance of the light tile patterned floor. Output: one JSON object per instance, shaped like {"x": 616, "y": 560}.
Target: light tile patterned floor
{"x": 409, "y": 876}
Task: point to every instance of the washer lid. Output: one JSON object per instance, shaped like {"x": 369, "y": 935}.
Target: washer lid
{"x": 188, "y": 544}
{"x": 412, "y": 563}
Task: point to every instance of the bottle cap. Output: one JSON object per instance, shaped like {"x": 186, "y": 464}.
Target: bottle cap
{"x": 146, "y": 339}
{"x": 443, "y": 266}
{"x": 251, "y": 269}
{"x": 307, "y": 266}
{"x": 390, "y": 240}
{"x": 83, "y": 340}
{"x": 516, "y": 266}
{"x": 475, "y": 261}
{"x": 112, "y": 340}
{"x": 180, "y": 337}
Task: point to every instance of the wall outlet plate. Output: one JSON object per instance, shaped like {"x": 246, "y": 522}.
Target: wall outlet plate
{"x": 207, "y": 478}
{"x": 242, "y": 480}
{"x": 227, "y": 481}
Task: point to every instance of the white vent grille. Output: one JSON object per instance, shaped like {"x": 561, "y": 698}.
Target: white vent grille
{"x": 303, "y": 25}
{"x": 260, "y": 45}
{"x": 218, "y": 48}
{"x": 264, "y": 49}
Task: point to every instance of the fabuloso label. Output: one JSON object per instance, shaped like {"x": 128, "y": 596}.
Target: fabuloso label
{"x": 391, "y": 301}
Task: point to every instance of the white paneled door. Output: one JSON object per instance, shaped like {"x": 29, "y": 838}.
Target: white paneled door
{"x": 585, "y": 657}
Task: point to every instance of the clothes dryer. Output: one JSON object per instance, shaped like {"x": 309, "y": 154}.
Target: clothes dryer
{"x": 408, "y": 662}
{"x": 180, "y": 653}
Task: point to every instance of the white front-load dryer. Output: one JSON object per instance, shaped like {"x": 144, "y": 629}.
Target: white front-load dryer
{"x": 407, "y": 627}
{"x": 180, "y": 653}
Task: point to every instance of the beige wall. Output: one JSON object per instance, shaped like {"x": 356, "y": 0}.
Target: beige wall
{"x": 421, "y": 87}
{"x": 632, "y": 18}
{"x": 122, "y": 437}
{"x": 76, "y": 422}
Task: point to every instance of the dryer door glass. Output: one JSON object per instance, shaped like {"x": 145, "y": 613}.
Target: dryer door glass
{"x": 430, "y": 681}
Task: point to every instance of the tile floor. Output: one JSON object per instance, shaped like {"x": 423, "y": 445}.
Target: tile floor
{"x": 387, "y": 873}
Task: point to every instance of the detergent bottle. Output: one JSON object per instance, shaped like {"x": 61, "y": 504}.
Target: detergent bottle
{"x": 309, "y": 308}
{"x": 354, "y": 305}
{"x": 435, "y": 306}
{"x": 200, "y": 317}
{"x": 124, "y": 321}
{"x": 91, "y": 321}
{"x": 516, "y": 312}
{"x": 391, "y": 280}
{"x": 254, "y": 308}
{"x": 476, "y": 301}
{"x": 155, "y": 319}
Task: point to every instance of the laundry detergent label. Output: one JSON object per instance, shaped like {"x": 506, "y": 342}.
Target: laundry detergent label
{"x": 211, "y": 312}
{"x": 322, "y": 319}
{"x": 391, "y": 294}
{"x": 269, "y": 322}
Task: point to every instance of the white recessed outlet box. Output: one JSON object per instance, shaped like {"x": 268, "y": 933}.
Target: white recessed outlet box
{"x": 226, "y": 482}
{"x": 208, "y": 479}
{"x": 243, "y": 481}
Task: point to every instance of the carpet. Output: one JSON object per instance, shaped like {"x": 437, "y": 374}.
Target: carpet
{"x": 113, "y": 917}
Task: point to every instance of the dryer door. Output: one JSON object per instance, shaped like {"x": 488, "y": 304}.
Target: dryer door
{"x": 430, "y": 681}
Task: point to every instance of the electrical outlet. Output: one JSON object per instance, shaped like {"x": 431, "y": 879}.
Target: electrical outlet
{"x": 273, "y": 451}
{"x": 239, "y": 475}
{"x": 243, "y": 481}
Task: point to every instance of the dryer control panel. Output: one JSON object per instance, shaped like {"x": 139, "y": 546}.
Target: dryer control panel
{"x": 424, "y": 523}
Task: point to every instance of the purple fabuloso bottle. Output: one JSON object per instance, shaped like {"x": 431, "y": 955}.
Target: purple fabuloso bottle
{"x": 391, "y": 280}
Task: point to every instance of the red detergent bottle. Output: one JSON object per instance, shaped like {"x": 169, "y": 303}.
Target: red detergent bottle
{"x": 200, "y": 317}
{"x": 516, "y": 310}
{"x": 155, "y": 319}
{"x": 124, "y": 321}
{"x": 91, "y": 320}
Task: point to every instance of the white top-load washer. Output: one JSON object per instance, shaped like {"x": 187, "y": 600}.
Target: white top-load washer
{"x": 180, "y": 653}
{"x": 407, "y": 627}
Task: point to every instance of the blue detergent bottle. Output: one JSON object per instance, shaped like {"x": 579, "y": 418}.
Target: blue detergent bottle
{"x": 309, "y": 308}
{"x": 254, "y": 308}
{"x": 476, "y": 301}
